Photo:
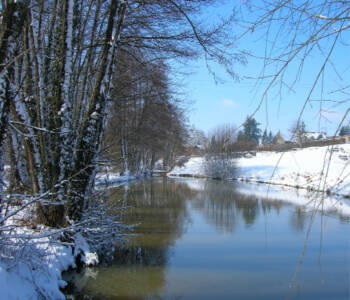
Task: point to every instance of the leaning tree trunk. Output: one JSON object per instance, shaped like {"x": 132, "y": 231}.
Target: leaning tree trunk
{"x": 90, "y": 134}
{"x": 11, "y": 26}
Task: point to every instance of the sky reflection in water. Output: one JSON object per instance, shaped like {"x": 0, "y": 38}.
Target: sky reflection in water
{"x": 201, "y": 239}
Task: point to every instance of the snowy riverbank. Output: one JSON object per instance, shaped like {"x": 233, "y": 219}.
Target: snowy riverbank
{"x": 33, "y": 257}
{"x": 33, "y": 271}
{"x": 32, "y": 268}
{"x": 324, "y": 169}
{"x": 114, "y": 179}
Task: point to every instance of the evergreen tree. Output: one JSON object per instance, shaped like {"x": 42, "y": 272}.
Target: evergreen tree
{"x": 251, "y": 130}
{"x": 345, "y": 130}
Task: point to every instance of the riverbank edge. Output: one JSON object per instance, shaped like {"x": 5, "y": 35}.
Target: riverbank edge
{"x": 321, "y": 169}
{"x": 251, "y": 180}
{"x": 37, "y": 271}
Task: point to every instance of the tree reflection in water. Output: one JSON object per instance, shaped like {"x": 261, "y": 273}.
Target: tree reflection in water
{"x": 225, "y": 207}
{"x": 162, "y": 210}
{"x": 158, "y": 210}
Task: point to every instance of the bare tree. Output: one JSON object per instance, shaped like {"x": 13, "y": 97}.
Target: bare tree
{"x": 57, "y": 63}
{"x": 145, "y": 120}
{"x": 221, "y": 139}
{"x": 293, "y": 33}
{"x": 297, "y": 131}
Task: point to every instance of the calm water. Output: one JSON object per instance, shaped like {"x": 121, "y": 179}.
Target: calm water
{"x": 200, "y": 239}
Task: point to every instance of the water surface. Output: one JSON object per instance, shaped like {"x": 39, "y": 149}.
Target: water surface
{"x": 201, "y": 239}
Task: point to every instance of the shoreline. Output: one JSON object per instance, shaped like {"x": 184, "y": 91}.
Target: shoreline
{"x": 300, "y": 197}
{"x": 319, "y": 172}
{"x": 250, "y": 180}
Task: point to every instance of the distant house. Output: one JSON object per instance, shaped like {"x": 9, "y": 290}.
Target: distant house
{"x": 314, "y": 136}
{"x": 278, "y": 139}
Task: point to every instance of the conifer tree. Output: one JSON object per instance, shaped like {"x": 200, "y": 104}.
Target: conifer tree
{"x": 251, "y": 130}
{"x": 344, "y": 130}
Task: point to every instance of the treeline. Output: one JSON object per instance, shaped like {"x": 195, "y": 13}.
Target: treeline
{"x": 145, "y": 120}
{"x": 229, "y": 139}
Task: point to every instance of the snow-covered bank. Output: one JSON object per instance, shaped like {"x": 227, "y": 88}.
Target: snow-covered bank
{"x": 34, "y": 279}
{"x": 324, "y": 169}
{"x": 32, "y": 257}
{"x": 194, "y": 167}
{"x": 31, "y": 268}
{"x": 113, "y": 179}
{"x": 318, "y": 168}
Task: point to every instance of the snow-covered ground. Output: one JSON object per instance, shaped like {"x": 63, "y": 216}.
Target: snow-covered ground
{"x": 31, "y": 268}
{"x": 112, "y": 179}
{"x": 195, "y": 166}
{"x": 317, "y": 169}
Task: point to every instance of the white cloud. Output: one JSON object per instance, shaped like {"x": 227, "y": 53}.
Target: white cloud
{"x": 229, "y": 103}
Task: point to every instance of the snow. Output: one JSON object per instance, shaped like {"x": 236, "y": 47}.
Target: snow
{"x": 35, "y": 271}
{"x": 322, "y": 169}
{"x": 31, "y": 268}
{"x": 317, "y": 168}
{"x": 299, "y": 197}
{"x": 13, "y": 285}
{"x": 322, "y": 17}
{"x": 194, "y": 167}
{"x": 81, "y": 247}
{"x": 112, "y": 179}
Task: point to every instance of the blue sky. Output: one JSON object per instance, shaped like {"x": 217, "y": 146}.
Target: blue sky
{"x": 231, "y": 102}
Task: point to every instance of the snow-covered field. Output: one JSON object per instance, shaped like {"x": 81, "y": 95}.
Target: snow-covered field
{"x": 325, "y": 169}
{"x": 317, "y": 168}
